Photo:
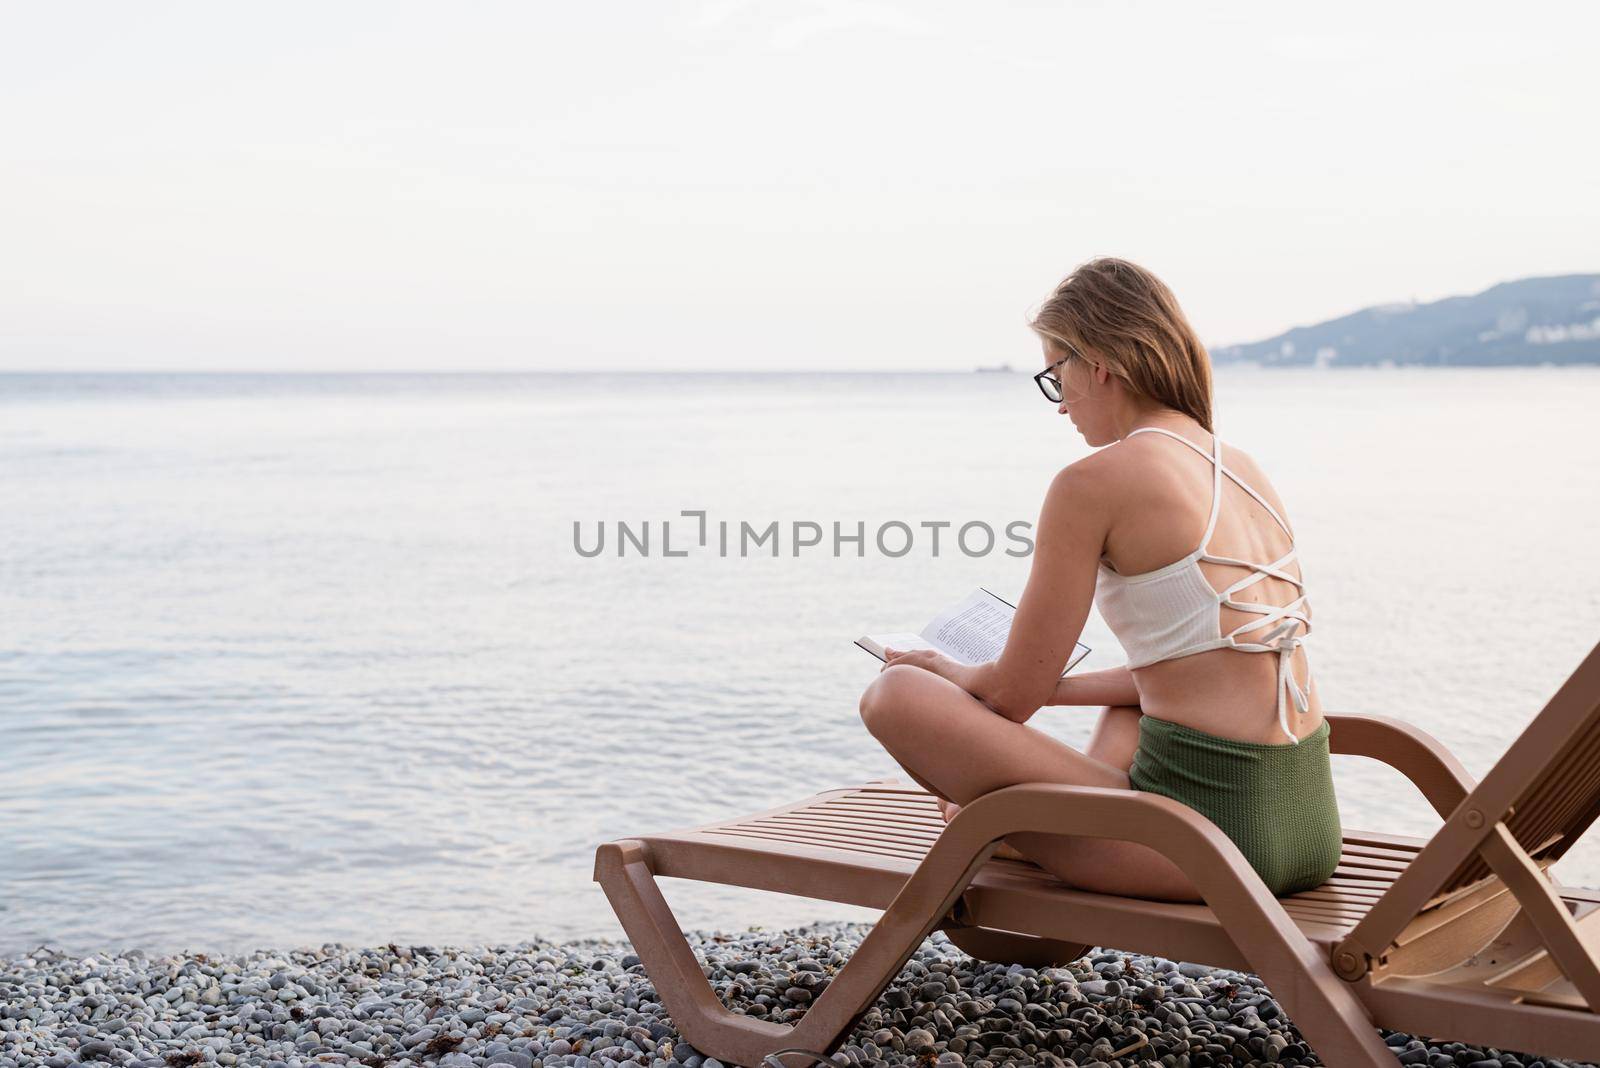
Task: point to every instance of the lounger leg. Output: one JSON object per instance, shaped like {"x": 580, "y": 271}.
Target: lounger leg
{"x": 624, "y": 873}
{"x": 1329, "y": 1015}
{"x": 1322, "y": 1006}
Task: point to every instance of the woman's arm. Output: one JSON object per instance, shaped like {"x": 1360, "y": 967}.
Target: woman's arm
{"x": 1113, "y": 686}
{"x": 1055, "y": 602}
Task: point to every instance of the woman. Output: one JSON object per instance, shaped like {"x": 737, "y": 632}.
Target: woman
{"x": 1184, "y": 546}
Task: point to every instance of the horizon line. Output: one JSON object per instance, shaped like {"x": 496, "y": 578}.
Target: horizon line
{"x": 1247, "y": 365}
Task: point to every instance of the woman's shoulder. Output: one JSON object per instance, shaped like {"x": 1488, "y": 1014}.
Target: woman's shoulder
{"x": 1093, "y": 473}
{"x": 1135, "y": 464}
{"x": 1150, "y": 468}
{"x": 1106, "y": 479}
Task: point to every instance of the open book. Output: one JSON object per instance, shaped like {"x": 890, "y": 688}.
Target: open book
{"x": 972, "y": 631}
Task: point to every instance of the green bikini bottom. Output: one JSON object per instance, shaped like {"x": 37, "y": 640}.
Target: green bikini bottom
{"x": 1274, "y": 801}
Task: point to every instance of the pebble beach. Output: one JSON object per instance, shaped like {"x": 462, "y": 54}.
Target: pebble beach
{"x": 589, "y": 1004}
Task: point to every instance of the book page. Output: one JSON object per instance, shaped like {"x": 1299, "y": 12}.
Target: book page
{"x": 973, "y": 631}
{"x": 877, "y": 643}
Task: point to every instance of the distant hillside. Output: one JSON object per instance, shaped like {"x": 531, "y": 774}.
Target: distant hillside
{"x": 1531, "y": 321}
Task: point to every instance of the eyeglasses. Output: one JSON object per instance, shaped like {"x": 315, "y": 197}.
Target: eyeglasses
{"x": 1049, "y": 384}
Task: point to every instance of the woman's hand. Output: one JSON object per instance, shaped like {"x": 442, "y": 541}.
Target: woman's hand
{"x": 931, "y": 660}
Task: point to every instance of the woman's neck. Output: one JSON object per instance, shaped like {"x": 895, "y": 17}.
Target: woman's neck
{"x": 1159, "y": 419}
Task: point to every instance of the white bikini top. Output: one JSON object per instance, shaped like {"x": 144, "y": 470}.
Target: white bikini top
{"x": 1173, "y": 611}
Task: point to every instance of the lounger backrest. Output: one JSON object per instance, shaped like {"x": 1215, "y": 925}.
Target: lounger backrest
{"x": 1545, "y": 789}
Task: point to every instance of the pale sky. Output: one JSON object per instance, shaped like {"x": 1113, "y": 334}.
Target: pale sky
{"x": 768, "y": 185}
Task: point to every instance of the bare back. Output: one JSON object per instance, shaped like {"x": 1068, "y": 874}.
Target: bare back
{"x": 1159, "y": 517}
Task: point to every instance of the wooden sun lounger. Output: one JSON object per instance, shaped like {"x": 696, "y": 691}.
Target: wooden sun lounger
{"x": 1462, "y": 936}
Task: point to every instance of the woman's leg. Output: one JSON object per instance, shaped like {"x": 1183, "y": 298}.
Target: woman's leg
{"x": 1116, "y": 736}
{"x": 1114, "y": 740}
{"x": 949, "y": 741}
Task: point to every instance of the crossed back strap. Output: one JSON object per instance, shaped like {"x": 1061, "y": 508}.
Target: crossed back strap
{"x": 1545, "y": 790}
{"x": 1290, "y": 622}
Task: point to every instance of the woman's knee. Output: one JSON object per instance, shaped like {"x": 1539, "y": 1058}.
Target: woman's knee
{"x": 889, "y": 699}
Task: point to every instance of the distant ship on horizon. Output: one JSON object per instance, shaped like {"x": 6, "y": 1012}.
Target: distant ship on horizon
{"x": 996, "y": 369}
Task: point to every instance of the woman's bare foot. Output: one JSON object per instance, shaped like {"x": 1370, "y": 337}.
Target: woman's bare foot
{"x": 948, "y": 810}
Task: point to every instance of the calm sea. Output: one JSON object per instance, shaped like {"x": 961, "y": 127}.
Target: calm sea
{"x": 286, "y": 660}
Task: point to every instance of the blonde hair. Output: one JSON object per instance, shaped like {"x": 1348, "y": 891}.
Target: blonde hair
{"x": 1128, "y": 318}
